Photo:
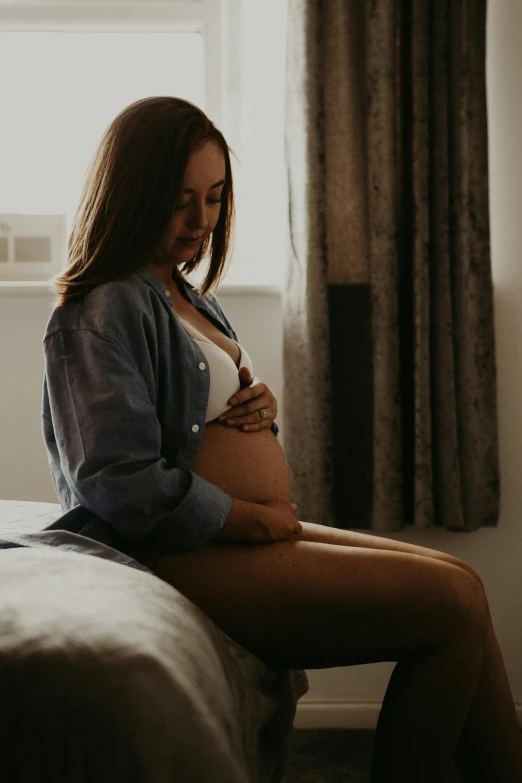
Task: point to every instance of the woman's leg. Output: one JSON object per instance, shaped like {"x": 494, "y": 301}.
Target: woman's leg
{"x": 490, "y": 746}
{"x": 304, "y": 605}
{"x": 324, "y": 534}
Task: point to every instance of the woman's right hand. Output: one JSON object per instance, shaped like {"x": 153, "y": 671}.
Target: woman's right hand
{"x": 275, "y": 522}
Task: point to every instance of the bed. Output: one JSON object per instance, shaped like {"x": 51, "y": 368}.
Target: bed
{"x": 107, "y": 673}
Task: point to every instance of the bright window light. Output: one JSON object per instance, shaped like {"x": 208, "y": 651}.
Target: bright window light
{"x": 64, "y": 89}
{"x": 260, "y": 177}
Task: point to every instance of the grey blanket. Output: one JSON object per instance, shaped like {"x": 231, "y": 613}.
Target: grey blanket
{"x": 107, "y": 673}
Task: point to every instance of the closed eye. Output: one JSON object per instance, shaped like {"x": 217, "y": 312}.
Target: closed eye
{"x": 209, "y": 201}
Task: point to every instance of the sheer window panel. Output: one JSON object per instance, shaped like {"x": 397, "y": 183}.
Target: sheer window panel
{"x": 244, "y": 68}
{"x": 254, "y": 128}
{"x": 64, "y": 89}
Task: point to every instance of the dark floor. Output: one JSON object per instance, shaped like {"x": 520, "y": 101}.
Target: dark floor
{"x": 334, "y": 756}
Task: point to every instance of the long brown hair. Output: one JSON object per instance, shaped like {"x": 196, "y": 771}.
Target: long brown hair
{"x": 131, "y": 187}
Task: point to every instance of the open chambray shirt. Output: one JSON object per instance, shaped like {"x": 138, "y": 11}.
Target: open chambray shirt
{"x": 125, "y": 394}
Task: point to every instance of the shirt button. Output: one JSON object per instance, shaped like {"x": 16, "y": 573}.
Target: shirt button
{"x": 195, "y": 428}
{"x": 167, "y": 292}
{"x": 202, "y": 365}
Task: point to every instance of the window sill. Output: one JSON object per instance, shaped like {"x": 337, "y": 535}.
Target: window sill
{"x": 42, "y": 288}
{"x": 24, "y": 288}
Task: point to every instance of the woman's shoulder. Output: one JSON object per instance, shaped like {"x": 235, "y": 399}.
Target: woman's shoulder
{"x": 113, "y": 309}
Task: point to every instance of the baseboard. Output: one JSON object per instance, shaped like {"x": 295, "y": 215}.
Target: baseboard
{"x": 345, "y": 714}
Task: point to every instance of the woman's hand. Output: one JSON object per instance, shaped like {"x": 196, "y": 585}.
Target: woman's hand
{"x": 255, "y": 396}
{"x": 260, "y": 523}
{"x": 276, "y": 522}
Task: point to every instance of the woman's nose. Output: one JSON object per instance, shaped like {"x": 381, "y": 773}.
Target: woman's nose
{"x": 197, "y": 217}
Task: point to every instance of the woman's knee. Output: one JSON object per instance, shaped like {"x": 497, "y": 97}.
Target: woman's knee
{"x": 469, "y": 611}
{"x": 468, "y": 569}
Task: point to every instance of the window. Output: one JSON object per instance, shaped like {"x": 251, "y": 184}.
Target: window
{"x": 78, "y": 64}
{"x": 260, "y": 177}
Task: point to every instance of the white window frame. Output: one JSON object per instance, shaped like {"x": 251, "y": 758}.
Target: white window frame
{"x": 211, "y": 18}
{"x": 204, "y": 16}
{"x": 216, "y": 20}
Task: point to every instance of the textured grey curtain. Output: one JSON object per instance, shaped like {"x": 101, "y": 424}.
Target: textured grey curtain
{"x": 389, "y": 348}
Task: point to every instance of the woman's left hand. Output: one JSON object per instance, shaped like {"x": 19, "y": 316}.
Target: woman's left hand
{"x": 254, "y": 396}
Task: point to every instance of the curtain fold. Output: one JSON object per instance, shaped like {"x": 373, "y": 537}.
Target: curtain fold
{"x": 305, "y": 311}
{"x": 389, "y": 347}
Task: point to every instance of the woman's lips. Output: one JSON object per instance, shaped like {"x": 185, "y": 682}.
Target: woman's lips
{"x": 189, "y": 242}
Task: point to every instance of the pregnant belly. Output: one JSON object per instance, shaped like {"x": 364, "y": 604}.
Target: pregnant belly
{"x": 248, "y": 465}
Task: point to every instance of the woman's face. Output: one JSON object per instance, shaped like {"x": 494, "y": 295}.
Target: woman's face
{"x": 197, "y": 212}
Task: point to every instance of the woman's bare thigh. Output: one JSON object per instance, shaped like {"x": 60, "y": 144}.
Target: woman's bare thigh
{"x": 333, "y": 535}
{"x": 305, "y": 605}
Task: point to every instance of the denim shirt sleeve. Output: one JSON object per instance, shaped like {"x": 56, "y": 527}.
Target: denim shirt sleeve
{"x": 108, "y": 438}
{"x": 215, "y": 303}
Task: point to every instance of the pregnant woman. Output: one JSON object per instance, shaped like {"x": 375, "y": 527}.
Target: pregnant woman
{"x": 163, "y": 448}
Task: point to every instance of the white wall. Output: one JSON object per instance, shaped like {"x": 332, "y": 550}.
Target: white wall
{"x": 351, "y": 696}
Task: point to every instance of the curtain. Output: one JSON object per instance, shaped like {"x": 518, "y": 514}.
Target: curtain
{"x": 389, "y": 349}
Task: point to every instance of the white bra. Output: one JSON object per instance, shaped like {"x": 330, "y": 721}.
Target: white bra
{"x": 224, "y": 377}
